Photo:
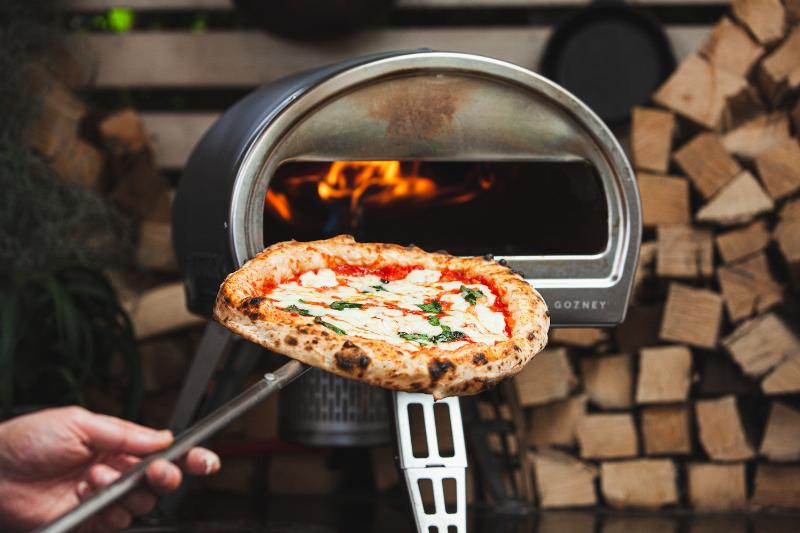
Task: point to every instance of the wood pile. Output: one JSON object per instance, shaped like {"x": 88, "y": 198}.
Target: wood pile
{"x": 694, "y": 401}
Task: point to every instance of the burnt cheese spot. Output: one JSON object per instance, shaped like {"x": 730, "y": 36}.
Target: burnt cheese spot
{"x": 351, "y": 359}
{"x": 479, "y": 359}
{"x": 291, "y": 341}
{"x": 438, "y": 368}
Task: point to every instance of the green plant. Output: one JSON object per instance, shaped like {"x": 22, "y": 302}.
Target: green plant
{"x": 63, "y": 333}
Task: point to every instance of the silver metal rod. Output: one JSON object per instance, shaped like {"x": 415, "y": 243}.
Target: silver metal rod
{"x": 193, "y": 436}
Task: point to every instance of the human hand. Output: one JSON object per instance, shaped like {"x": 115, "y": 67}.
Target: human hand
{"x": 52, "y": 459}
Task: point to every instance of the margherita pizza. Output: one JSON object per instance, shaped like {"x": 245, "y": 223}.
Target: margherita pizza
{"x": 392, "y": 316}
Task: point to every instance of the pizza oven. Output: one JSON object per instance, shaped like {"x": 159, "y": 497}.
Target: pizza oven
{"x": 446, "y": 151}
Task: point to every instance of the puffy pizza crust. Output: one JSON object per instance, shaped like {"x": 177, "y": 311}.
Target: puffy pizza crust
{"x": 467, "y": 370}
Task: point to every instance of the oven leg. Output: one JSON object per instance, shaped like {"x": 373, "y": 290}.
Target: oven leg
{"x": 433, "y": 469}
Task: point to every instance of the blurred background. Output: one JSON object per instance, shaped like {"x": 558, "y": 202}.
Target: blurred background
{"x": 684, "y": 418}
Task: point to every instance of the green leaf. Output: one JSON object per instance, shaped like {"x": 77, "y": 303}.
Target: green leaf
{"x": 431, "y": 307}
{"x": 421, "y": 338}
{"x": 378, "y": 288}
{"x": 470, "y": 295}
{"x": 338, "y": 306}
{"x": 433, "y": 320}
{"x": 330, "y": 326}
{"x": 294, "y": 309}
{"x": 448, "y": 335}
{"x": 384, "y": 281}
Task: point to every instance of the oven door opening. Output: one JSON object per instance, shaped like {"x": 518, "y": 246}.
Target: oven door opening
{"x": 507, "y": 208}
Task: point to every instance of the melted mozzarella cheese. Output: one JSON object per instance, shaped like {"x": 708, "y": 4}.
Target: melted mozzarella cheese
{"x": 391, "y": 311}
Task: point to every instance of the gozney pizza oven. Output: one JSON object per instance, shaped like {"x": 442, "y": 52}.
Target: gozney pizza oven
{"x": 447, "y": 151}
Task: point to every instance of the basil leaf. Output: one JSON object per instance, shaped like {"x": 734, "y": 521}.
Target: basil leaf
{"x": 384, "y": 280}
{"x": 431, "y": 307}
{"x": 345, "y": 305}
{"x": 294, "y": 309}
{"x": 330, "y": 326}
{"x": 447, "y": 336}
{"x": 414, "y": 337}
{"x": 433, "y": 320}
{"x": 378, "y": 288}
{"x": 470, "y": 295}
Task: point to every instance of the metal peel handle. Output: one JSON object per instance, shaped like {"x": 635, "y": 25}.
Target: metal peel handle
{"x": 193, "y": 436}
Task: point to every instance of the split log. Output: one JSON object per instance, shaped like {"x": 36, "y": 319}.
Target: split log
{"x": 563, "y": 481}
{"x": 748, "y": 287}
{"x": 779, "y": 72}
{"x": 782, "y": 437}
{"x": 640, "y": 328}
{"x": 707, "y": 163}
{"x": 730, "y": 48}
{"x": 664, "y": 374}
{"x": 645, "y": 270}
{"x": 703, "y": 93}
{"x": 766, "y": 19}
{"x": 777, "y": 486}
{"x": 738, "y": 243}
{"x": 155, "y": 251}
{"x": 161, "y": 310}
{"x": 579, "y": 337}
{"x": 123, "y": 132}
{"x": 555, "y": 424}
{"x": 787, "y": 235}
{"x": 651, "y": 139}
{"x": 665, "y": 430}
{"x": 754, "y": 137}
{"x": 796, "y": 113}
{"x": 779, "y": 169}
{"x": 572, "y": 521}
{"x": 665, "y": 199}
{"x": 608, "y": 380}
{"x": 691, "y": 316}
{"x": 607, "y": 436}
{"x": 639, "y": 483}
{"x": 792, "y": 10}
{"x": 684, "y": 252}
{"x": 760, "y": 344}
{"x": 628, "y": 523}
{"x": 721, "y": 431}
{"x": 785, "y": 378}
{"x": 546, "y": 378}
{"x": 738, "y": 202}
{"x": 715, "y": 487}
{"x": 790, "y": 210}
{"x": 164, "y": 363}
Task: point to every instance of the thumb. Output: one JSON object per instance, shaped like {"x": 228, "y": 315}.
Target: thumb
{"x": 106, "y": 433}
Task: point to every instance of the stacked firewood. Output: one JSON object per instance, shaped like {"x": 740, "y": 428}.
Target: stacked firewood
{"x": 694, "y": 400}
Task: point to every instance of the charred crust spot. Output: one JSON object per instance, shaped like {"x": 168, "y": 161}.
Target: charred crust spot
{"x": 531, "y": 336}
{"x": 503, "y": 262}
{"x": 547, "y": 313}
{"x": 324, "y": 333}
{"x": 253, "y": 301}
{"x": 309, "y": 348}
{"x": 291, "y": 341}
{"x": 488, "y": 257}
{"x": 415, "y": 385}
{"x": 351, "y": 359}
{"x": 488, "y": 384}
{"x": 479, "y": 359}
{"x": 517, "y": 348}
{"x": 438, "y": 368}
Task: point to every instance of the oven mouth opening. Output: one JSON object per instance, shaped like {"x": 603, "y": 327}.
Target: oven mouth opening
{"x": 507, "y": 208}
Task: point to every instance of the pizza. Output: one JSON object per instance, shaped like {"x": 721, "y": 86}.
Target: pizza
{"x": 392, "y": 316}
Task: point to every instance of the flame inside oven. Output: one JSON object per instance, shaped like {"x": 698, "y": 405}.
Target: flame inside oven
{"x": 349, "y": 188}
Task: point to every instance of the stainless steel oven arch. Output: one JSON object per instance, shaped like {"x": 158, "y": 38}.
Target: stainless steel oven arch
{"x": 445, "y": 106}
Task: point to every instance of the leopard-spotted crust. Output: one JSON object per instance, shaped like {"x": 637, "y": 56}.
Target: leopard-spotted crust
{"x": 467, "y": 370}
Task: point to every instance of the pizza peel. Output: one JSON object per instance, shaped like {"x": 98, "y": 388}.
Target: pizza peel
{"x": 185, "y": 441}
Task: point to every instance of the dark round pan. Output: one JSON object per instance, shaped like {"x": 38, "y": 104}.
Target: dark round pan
{"x": 611, "y": 56}
{"x": 314, "y": 20}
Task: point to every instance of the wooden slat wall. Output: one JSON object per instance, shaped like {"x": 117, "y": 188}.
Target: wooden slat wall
{"x": 248, "y": 58}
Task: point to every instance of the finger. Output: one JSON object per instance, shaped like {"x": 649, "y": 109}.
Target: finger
{"x": 200, "y": 462}
{"x": 121, "y": 462}
{"x": 115, "y": 518}
{"x": 106, "y": 433}
{"x": 163, "y": 476}
{"x": 139, "y": 502}
{"x": 101, "y": 475}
